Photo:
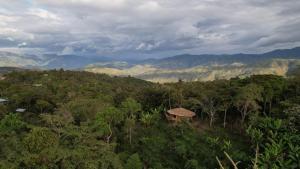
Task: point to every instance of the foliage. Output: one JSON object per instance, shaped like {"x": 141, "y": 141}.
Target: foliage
{"x": 134, "y": 162}
{"x": 39, "y": 139}
{"x": 11, "y": 123}
{"x": 279, "y": 145}
{"x": 84, "y": 120}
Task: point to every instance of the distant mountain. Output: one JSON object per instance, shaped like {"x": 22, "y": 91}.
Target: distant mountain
{"x": 205, "y": 67}
{"x": 9, "y": 59}
{"x": 71, "y": 61}
{"x": 293, "y": 53}
{"x": 187, "y": 60}
{"x": 186, "y": 66}
{"x": 47, "y": 61}
{"x": 4, "y": 70}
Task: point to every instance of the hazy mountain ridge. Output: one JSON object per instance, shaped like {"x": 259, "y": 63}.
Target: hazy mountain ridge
{"x": 188, "y": 60}
{"x": 47, "y": 61}
{"x": 206, "y": 67}
{"x": 186, "y": 67}
{"x": 4, "y": 70}
{"x": 199, "y": 73}
{"x": 9, "y": 59}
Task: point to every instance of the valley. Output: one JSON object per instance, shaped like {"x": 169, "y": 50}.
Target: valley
{"x": 184, "y": 67}
{"x": 200, "y": 73}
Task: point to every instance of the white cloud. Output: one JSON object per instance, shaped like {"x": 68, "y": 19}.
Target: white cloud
{"x": 10, "y": 39}
{"x": 44, "y": 14}
{"x": 110, "y": 27}
{"x": 23, "y": 44}
{"x": 67, "y": 51}
{"x": 150, "y": 5}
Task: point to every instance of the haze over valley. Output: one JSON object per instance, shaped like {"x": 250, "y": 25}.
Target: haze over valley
{"x": 203, "y": 67}
{"x": 206, "y": 67}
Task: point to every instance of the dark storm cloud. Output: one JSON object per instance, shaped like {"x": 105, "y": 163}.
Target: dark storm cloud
{"x": 109, "y": 27}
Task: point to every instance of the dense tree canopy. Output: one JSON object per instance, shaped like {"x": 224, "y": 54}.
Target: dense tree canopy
{"x": 84, "y": 120}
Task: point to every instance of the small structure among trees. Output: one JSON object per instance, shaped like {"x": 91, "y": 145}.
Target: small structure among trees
{"x": 178, "y": 114}
{"x": 3, "y": 101}
{"x": 20, "y": 110}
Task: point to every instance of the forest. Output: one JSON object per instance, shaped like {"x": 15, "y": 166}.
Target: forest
{"x": 60, "y": 119}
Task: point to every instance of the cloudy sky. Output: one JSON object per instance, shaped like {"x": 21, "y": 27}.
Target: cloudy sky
{"x": 148, "y": 28}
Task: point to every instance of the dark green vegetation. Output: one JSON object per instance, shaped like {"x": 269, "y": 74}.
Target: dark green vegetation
{"x": 83, "y": 120}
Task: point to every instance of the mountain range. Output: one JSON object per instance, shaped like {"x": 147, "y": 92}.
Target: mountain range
{"x": 187, "y": 60}
{"x": 185, "y": 67}
{"x": 47, "y": 61}
{"x": 204, "y": 67}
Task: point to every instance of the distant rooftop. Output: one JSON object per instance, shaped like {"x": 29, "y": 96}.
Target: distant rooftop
{"x": 37, "y": 85}
{"x": 182, "y": 112}
{"x": 21, "y": 110}
{"x": 3, "y": 100}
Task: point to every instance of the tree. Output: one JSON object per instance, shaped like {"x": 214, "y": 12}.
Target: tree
{"x": 131, "y": 108}
{"x": 225, "y": 99}
{"x": 179, "y": 92}
{"x": 146, "y": 119}
{"x": 272, "y": 88}
{"x": 225, "y": 105}
{"x": 209, "y": 105}
{"x": 154, "y": 97}
{"x": 246, "y": 100}
{"x": 3, "y": 110}
{"x": 129, "y": 124}
{"x": 57, "y": 121}
{"x": 192, "y": 164}
{"x": 293, "y": 117}
{"x": 279, "y": 145}
{"x": 134, "y": 162}
{"x": 150, "y": 118}
{"x": 84, "y": 109}
{"x": 39, "y": 139}
{"x": 43, "y": 105}
{"x": 11, "y": 123}
{"x": 267, "y": 96}
{"x": 106, "y": 119}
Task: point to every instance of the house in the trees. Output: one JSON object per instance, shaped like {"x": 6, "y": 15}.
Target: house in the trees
{"x": 178, "y": 114}
{"x": 3, "y": 101}
{"x": 37, "y": 85}
{"x": 20, "y": 110}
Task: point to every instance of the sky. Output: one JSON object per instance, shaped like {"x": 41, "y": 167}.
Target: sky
{"x": 148, "y": 28}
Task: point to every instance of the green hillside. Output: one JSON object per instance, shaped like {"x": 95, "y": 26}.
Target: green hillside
{"x": 83, "y": 120}
{"x": 211, "y": 72}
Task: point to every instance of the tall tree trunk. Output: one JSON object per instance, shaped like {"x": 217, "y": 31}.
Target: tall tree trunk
{"x": 265, "y": 105}
{"x": 224, "y": 121}
{"x": 270, "y": 107}
{"x": 243, "y": 119}
{"x": 169, "y": 100}
{"x": 130, "y": 135}
{"x": 110, "y": 134}
{"x": 244, "y": 112}
{"x": 211, "y": 120}
{"x": 181, "y": 98}
{"x": 201, "y": 115}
